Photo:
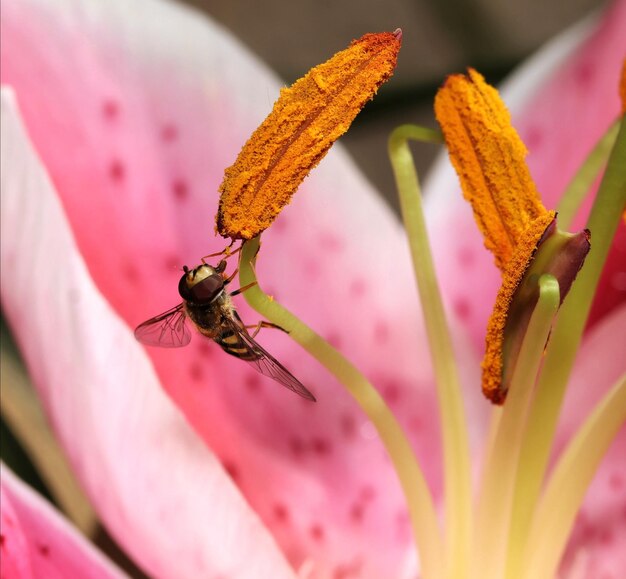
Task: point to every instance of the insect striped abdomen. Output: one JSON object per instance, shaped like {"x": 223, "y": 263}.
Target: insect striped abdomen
{"x": 232, "y": 344}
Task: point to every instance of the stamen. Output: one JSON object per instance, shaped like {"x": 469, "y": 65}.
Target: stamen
{"x": 489, "y": 158}
{"x": 306, "y": 120}
{"x": 494, "y": 505}
{"x": 453, "y": 423}
{"x": 419, "y": 499}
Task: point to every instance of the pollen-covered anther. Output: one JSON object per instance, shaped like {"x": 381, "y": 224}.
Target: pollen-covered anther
{"x": 489, "y": 158}
{"x": 557, "y": 253}
{"x": 306, "y": 120}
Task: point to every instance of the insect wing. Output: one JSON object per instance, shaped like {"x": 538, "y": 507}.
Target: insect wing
{"x": 266, "y": 364}
{"x": 167, "y": 330}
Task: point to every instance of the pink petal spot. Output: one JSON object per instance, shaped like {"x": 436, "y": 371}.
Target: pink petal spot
{"x": 392, "y": 392}
{"x": 462, "y": 308}
{"x": 533, "y": 138}
{"x": 466, "y": 256}
{"x": 253, "y": 383}
{"x": 321, "y": 446}
{"x": 130, "y": 273}
{"x": 117, "y": 171}
{"x": 196, "y": 371}
{"x": 357, "y": 512}
{"x": 317, "y": 532}
{"x": 357, "y": 288}
{"x": 281, "y": 513}
{"x": 205, "y": 348}
{"x": 584, "y": 74}
{"x": 381, "y": 332}
{"x": 110, "y": 110}
{"x": 169, "y": 133}
{"x": 334, "y": 339}
{"x": 180, "y": 189}
{"x": 172, "y": 262}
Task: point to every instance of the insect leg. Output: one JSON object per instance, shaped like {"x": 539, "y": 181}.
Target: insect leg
{"x": 226, "y": 251}
{"x": 231, "y": 276}
{"x": 264, "y": 324}
{"x": 243, "y": 289}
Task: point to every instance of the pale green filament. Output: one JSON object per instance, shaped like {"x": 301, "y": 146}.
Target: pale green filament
{"x": 495, "y": 500}
{"x": 419, "y": 499}
{"x": 564, "y": 493}
{"x": 454, "y": 429}
{"x": 603, "y": 221}
{"x": 579, "y": 186}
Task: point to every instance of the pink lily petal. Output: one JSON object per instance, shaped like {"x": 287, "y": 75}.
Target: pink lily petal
{"x": 36, "y": 541}
{"x": 137, "y": 121}
{"x": 159, "y": 490}
{"x": 562, "y": 101}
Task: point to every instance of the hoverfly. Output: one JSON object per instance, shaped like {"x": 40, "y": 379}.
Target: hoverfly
{"x": 209, "y": 307}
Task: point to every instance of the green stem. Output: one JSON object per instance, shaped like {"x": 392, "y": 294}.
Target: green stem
{"x": 457, "y": 472}
{"x": 579, "y": 186}
{"x": 566, "y": 337}
{"x": 495, "y": 501}
{"x": 565, "y": 491}
{"x": 419, "y": 499}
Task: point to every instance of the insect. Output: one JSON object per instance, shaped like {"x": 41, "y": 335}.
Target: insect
{"x": 209, "y": 307}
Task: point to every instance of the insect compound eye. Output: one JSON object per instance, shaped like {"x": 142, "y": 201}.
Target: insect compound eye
{"x": 203, "y": 291}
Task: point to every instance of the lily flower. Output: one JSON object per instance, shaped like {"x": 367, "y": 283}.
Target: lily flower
{"x": 116, "y": 133}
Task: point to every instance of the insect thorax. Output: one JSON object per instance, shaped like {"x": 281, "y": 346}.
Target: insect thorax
{"x": 208, "y": 319}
